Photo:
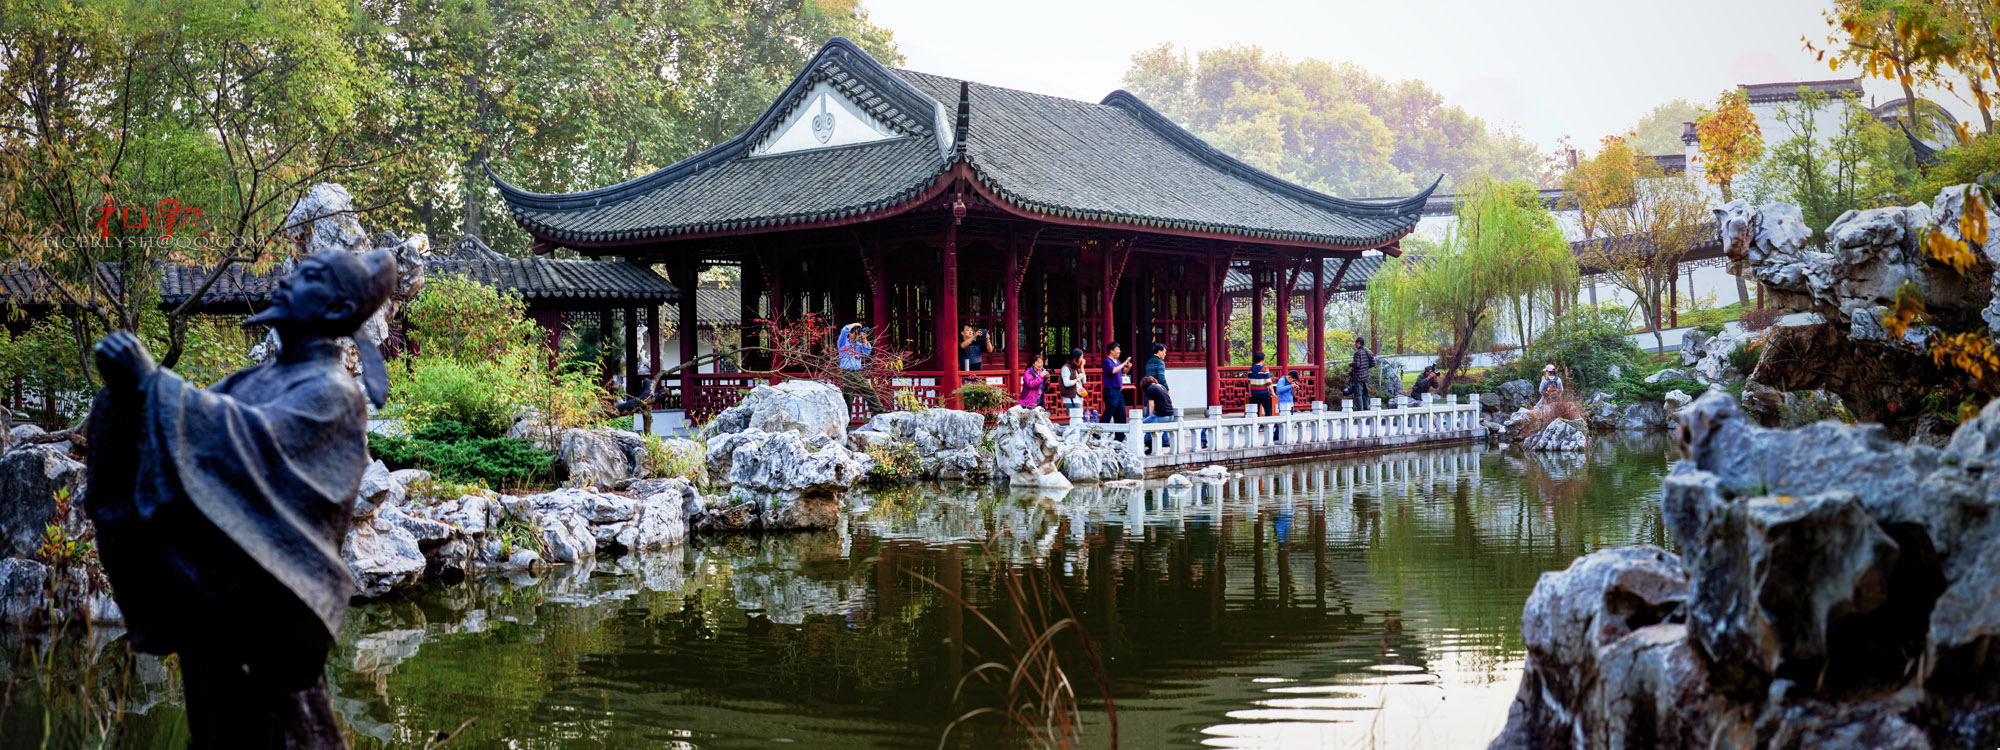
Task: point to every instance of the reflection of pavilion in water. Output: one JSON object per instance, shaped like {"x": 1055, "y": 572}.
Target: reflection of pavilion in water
{"x": 1288, "y": 605}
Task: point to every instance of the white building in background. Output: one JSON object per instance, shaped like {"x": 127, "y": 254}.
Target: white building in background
{"x": 1708, "y": 279}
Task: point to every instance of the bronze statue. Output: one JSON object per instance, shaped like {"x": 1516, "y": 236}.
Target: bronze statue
{"x": 220, "y": 512}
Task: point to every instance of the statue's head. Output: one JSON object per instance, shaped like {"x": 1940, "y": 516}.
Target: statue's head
{"x": 331, "y": 292}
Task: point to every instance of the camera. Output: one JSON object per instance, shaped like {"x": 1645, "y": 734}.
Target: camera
{"x": 863, "y": 331}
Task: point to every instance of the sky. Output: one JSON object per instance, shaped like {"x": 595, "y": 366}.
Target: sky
{"x": 1579, "y": 68}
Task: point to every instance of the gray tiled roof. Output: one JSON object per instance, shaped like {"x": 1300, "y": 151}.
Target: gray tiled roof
{"x": 1356, "y": 279}
{"x": 535, "y": 279}
{"x": 716, "y": 306}
{"x": 1116, "y": 161}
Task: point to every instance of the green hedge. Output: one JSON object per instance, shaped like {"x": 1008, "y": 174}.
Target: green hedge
{"x": 454, "y": 451}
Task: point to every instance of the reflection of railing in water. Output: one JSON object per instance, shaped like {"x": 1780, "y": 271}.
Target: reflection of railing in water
{"x": 1219, "y": 439}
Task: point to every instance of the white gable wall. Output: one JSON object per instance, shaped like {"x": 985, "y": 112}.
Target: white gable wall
{"x": 823, "y": 104}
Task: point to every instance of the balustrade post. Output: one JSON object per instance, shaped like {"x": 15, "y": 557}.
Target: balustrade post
{"x": 1135, "y": 430}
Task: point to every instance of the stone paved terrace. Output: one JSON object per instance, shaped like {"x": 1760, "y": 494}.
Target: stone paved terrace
{"x": 1311, "y": 432}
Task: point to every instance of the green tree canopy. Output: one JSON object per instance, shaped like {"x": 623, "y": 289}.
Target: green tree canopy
{"x": 1334, "y": 127}
{"x": 1659, "y": 130}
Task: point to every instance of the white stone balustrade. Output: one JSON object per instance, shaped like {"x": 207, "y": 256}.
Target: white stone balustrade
{"x": 1310, "y": 430}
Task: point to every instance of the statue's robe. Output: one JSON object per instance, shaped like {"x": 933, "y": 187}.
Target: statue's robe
{"x": 221, "y": 511}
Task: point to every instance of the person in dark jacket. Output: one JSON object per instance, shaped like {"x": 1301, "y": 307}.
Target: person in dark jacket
{"x": 1156, "y": 366}
{"x": 1357, "y": 373}
{"x": 1159, "y": 406}
{"x": 1427, "y": 382}
{"x": 1259, "y": 381}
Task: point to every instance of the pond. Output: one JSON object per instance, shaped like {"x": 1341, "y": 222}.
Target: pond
{"x": 1364, "y": 602}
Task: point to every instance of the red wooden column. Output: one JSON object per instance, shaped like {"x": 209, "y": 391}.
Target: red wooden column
{"x": 652, "y": 340}
{"x": 689, "y": 281}
{"x": 947, "y": 309}
{"x": 1213, "y": 359}
{"x": 1110, "y": 284}
{"x": 1316, "y": 319}
{"x": 1284, "y": 315}
{"x": 1010, "y": 320}
{"x": 1256, "y": 308}
{"x": 631, "y": 351}
{"x": 878, "y": 290}
{"x": 1674, "y": 303}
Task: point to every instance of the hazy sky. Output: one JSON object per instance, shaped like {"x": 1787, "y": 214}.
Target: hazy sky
{"x": 1583, "y": 68}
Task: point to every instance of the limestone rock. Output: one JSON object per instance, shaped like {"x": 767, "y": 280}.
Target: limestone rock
{"x": 803, "y": 514}
{"x": 1569, "y": 621}
{"x": 946, "y": 441}
{"x": 25, "y": 586}
{"x": 378, "y": 488}
{"x": 1027, "y": 445}
{"x": 1388, "y": 378}
{"x": 658, "y": 522}
{"x": 1558, "y": 435}
{"x": 802, "y": 406}
{"x": 1677, "y": 400}
{"x": 1179, "y": 480}
{"x": 1097, "y": 460}
{"x": 1691, "y": 343}
{"x": 381, "y": 555}
{"x": 594, "y": 458}
{"x": 780, "y": 465}
{"x": 1515, "y": 394}
{"x": 1670, "y": 374}
{"x": 30, "y": 477}
{"x": 1714, "y": 366}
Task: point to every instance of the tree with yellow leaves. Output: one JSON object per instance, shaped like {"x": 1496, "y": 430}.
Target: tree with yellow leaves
{"x": 1639, "y": 223}
{"x": 1730, "y": 143}
{"x": 1899, "y": 40}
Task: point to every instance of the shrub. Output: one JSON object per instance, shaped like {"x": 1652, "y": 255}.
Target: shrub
{"x": 1711, "y": 330}
{"x": 479, "y": 361}
{"x": 1585, "y": 343}
{"x": 895, "y": 462}
{"x": 1744, "y": 358}
{"x": 1759, "y": 319}
{"x": 982, "y": 398}
{"x": 1633, "y": 389}
{"x": 462, "y": 319}
{"x": 453, "y": 451}
{"x": 439, "y": 389}
{"x": 658, "y": 459}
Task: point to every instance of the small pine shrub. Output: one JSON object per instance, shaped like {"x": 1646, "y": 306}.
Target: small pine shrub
{"x": 454, "y": 452}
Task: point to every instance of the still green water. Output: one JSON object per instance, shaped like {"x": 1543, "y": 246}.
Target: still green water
{"x": 1369, "y": 602}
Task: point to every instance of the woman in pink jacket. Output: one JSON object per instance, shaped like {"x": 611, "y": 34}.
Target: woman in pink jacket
{"x": 1032, "y": 382}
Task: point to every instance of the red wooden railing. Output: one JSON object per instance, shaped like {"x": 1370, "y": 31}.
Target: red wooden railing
{"x": 707, "y": 394}
{"x": 1236, "y": 389}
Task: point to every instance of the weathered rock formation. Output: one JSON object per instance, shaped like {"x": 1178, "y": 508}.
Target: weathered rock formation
{"x": 946, "y": 441}
{"x": 1559, "y": 435}
{"x": 30, "y": 477}
{"x": 1027, "y": 444}
{"x": 1852, "y": 285}
{"x": 401, "y": 535}
{"x": 1834, "y": 589}
{"x": 1089, "y": 459}
{"x": 809, "y": 408}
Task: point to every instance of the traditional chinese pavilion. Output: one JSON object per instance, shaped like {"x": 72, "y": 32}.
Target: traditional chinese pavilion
{"x": 916, "y": 203}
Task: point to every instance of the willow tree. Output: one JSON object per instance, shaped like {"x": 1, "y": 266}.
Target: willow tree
{"x": 1504, "y": 244}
